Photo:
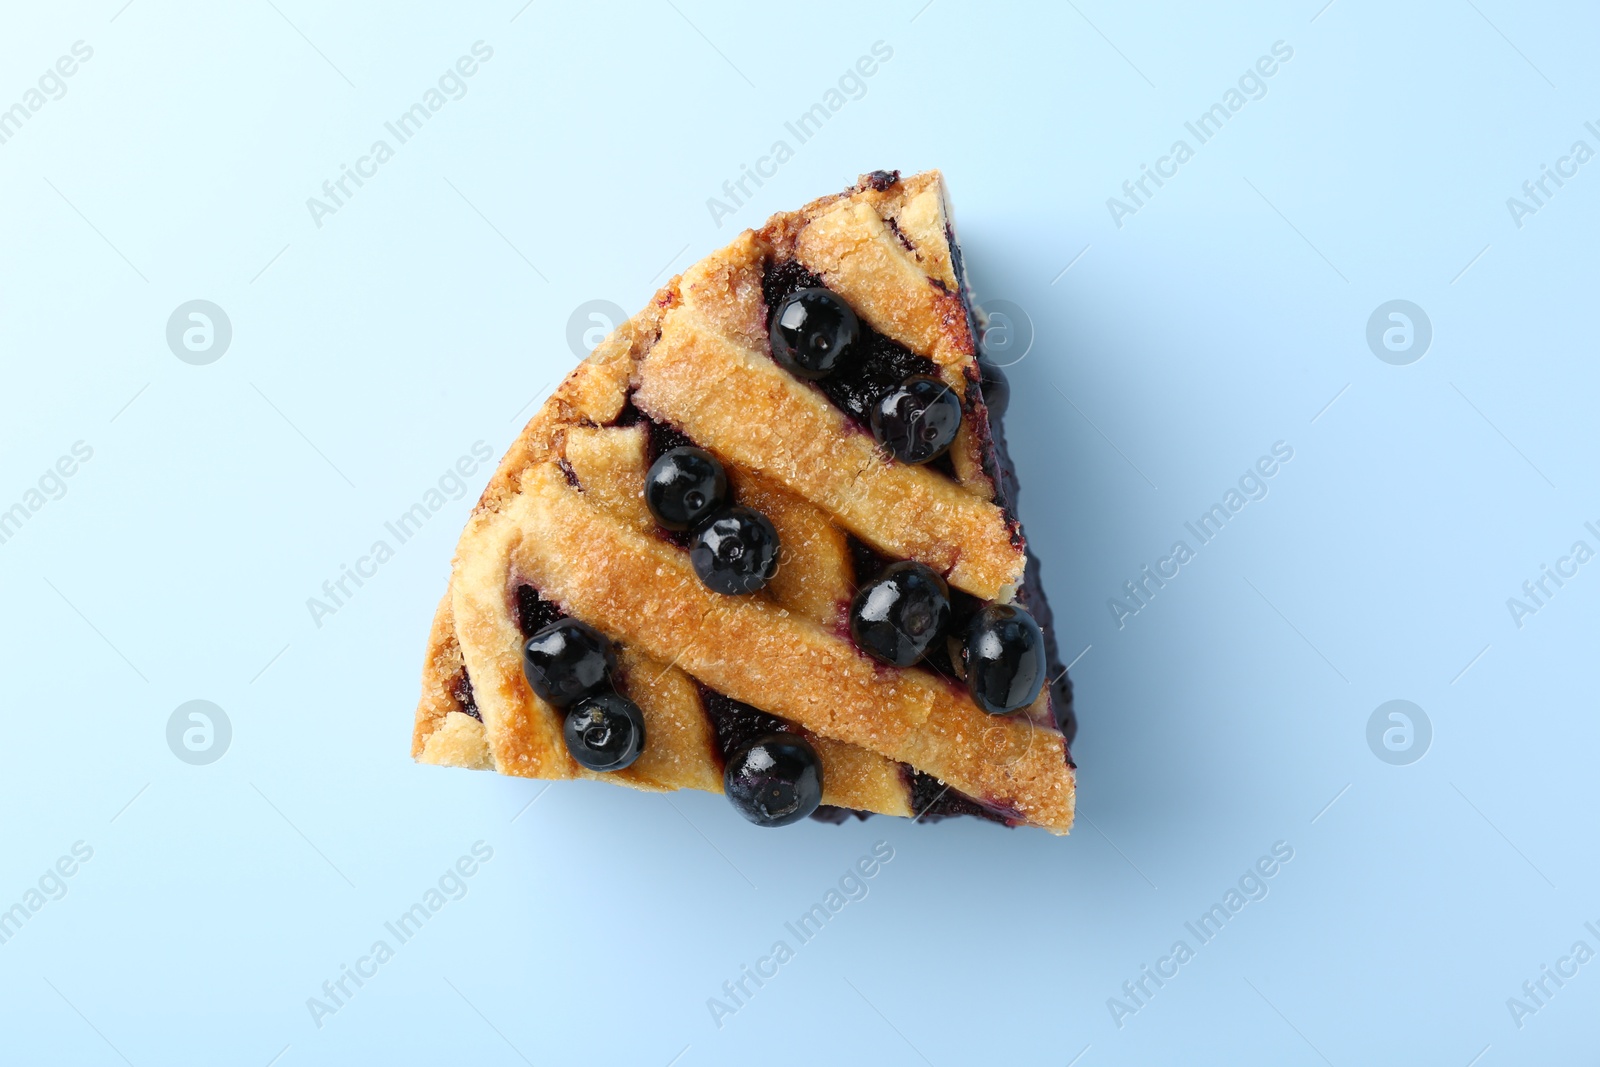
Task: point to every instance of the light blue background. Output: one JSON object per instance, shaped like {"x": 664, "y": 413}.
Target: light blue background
{"x": 369, "y": 354}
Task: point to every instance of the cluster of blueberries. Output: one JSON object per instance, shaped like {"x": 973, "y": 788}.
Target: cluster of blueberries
{"x": 776, "y": 779}
{"x": 897, "y": 617}
{"x": 916, "y": 421}
{"x": 773, "y": 780}
{"x": 734, "y": 549}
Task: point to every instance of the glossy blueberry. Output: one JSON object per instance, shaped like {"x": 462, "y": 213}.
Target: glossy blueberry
{"x": 917, "y": 419}
{"x": 774, "y": 780}
{"x": 567, "y": 661}
{"x": 895, "y": 617}
{"x": 604, "y": 732}
{"x": 1004, "y": 659}
{"x": 685, "y": 487}
{"x": 811, "y": 329}
{"x": 996, "y": 388}
{"x": 735, "y": 552}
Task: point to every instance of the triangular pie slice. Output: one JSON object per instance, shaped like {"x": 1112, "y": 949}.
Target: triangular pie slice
{"x": 565, "y": 531}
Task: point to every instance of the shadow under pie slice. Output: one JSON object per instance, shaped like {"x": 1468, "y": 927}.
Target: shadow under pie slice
{"x": 685, "y": 567}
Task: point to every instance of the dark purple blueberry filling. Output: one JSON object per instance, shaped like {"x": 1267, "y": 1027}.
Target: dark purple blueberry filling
{"x": 461, "y": 690}
{"x": 662, "y": 437}
{"x": 932, "y": 800}
{"x": 905, "y": 242}
{"x": 882, "y": 179}
{"x": 534, "y": 613}
{"x": 865, "y": 560}
{"x": 736, "y": 724}
{"x": 659, "y": 437}
{"x": 630, "y": 415}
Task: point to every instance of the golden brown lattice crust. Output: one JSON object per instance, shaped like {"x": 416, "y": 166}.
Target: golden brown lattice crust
{"x": 564, "y": 513}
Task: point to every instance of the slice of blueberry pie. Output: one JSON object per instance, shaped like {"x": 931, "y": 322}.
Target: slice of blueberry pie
{"x": 762, "y": 543}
